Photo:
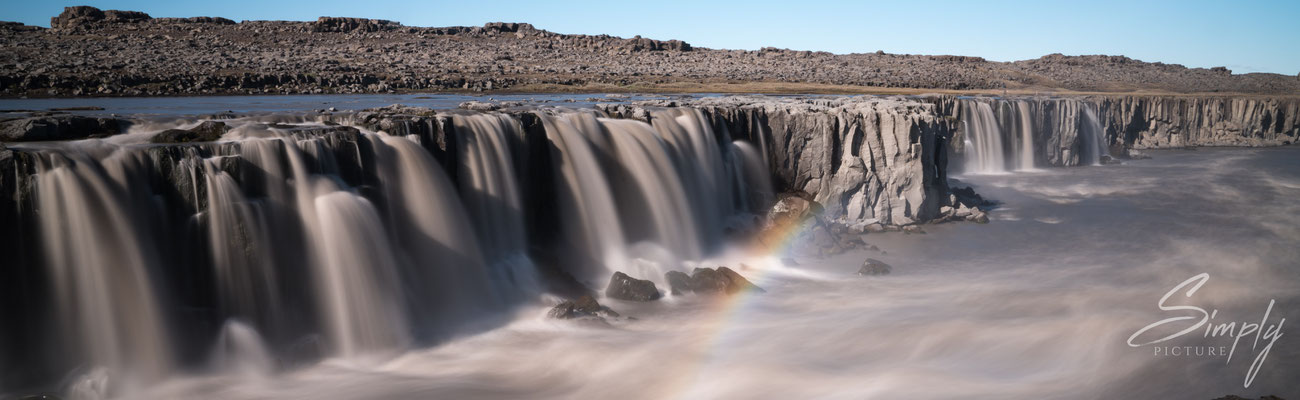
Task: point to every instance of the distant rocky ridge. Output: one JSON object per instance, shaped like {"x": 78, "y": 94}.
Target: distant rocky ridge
{"x": 92, "y": 52}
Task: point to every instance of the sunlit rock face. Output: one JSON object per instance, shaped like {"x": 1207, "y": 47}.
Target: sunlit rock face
{"x": 1148, "y": 122}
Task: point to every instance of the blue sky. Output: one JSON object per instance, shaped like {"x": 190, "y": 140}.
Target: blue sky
{"x": 1245, "y": 36}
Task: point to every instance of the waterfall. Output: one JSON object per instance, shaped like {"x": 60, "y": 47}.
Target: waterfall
{"x": 757, "y": 190}
{"x": 652, "y": 187}
{"x": 358, "y": 276}
{"x": 657, "y": 184}
{"x": 444, "y": 271}
{"x": 1016, "y": 135}
{"x": 241, "y": 351}
{"x": 100, "y": 261}
{"x": 984, "y": 151}
{"x": 241, "y": 250}
{"x": 1092, "y": 137}
{"x": 1026, "y": 131}
{"x": 490, "y": 189}
{"x": 593, "y": 233}
{"x": 293, "y": 240}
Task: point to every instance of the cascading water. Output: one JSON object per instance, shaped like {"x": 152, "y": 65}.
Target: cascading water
{"x": 656, "y": 181}
{"x": 757, "y": 187}
{"x": 1016, "y": 135}
{"x": 358, "y": 279}
{"x": 984, "y": 152}
{"x": 490, "y": 189}
{"x": 304, "y": 240}
{"x": 1026, "y": 125}
{"x": 100, "y": 260}
{"x": 593, "y": 232}
{"x": 241, "y": 250}
{"x": 665, "y": 174}
{"x": 240, "y": 350}
{"x": 1093, "y": 138}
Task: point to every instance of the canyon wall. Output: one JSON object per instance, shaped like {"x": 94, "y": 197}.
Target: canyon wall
{"x": 1149, "y": 122}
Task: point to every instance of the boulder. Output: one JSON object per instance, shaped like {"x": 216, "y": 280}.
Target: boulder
{"x": 678, "y": 282}
{"x": 76, "y": 16}
{"x": 207, "y": 20}
{"x": 790, "y": 210}
{"x": 343, "y": 24}
{"x": 737, "y": 283}
{"x": 583, "y": 307}
{"x": 509, "y": 27}
{"x": 852, "y": 241}
{"x": 710, "y": 281}
{"x": 207, "y": 131}
{"x": 59, "y": 127}
{"x": 624, "y": 287}
{"x": 874, "y": 267}
{"x": 119, "y": 16}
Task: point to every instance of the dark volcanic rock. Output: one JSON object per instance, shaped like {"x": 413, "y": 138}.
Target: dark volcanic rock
{"x": 584, "y": 306}
{"x": 624, "y": 287}
{"x": 678, "y": 282}
{"x": 710, "y": 281}
{"x": 59, "y": 127}
{"x": 76, "y": 16}
{"x": 737, "y": 283}
{"x": 874, "y": 267}
{"x": 790, "y": 209}
{"x": 207, "y": 131}
{"x": 338, "y": 24}
{"x": 119, "y": 16}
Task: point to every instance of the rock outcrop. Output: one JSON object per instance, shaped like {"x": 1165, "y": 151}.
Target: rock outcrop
{"x": 337, "y": 24}
{"x": 207, "y": 131}
{"x": 624, "y": 287}
{"x": 872, "y": 267}
{"x": 709, "y": 281}
{"x": 59, "y": 127}
{"x": 583, "y": 307}
{"x": 1149, "y": 122}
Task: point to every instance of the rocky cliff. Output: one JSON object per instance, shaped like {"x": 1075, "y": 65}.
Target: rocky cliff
{"x": 1148, "y": 122}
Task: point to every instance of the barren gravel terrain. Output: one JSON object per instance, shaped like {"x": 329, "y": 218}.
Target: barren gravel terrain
{"x": 91, "y": 52}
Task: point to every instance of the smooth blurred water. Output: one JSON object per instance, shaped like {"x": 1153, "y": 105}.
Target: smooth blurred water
{"x": 1037, "y": 303}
